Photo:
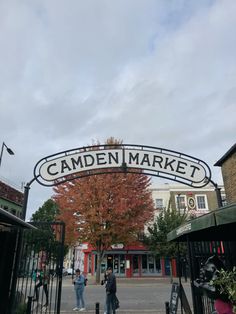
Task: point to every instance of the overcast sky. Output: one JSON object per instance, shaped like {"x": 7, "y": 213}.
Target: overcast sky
{"x": 151, "y": 72}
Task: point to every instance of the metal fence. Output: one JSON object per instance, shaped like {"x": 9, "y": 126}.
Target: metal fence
{"x": 9, "y": 240}
{"x": 199, "y": 252}
{"x": 39, "y": 278}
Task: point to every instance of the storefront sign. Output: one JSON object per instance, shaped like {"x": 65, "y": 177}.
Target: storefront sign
{"x": 184, "y": 229}
{"x": 117, "y": 246}
{"x": 152, "y": 161}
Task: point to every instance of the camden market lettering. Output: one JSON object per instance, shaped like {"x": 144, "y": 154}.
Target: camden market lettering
{"x": 80, "y": 162}
{"x": 164, "y": 164}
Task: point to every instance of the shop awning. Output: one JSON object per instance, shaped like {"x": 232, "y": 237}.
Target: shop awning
{"x": 8, "y": 220}
{"x": 219, "y": 225}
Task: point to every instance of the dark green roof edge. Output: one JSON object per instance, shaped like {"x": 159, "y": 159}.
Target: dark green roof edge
{"x": 219, "y": 217}
{"x": 12, "y": 220}
{"x": 226, "y": 155}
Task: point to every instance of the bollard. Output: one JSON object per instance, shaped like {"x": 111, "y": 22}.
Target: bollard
{"x": 29, "y": 303}
{"x": 97, "y": 308}
{"x": 167, "y": 304}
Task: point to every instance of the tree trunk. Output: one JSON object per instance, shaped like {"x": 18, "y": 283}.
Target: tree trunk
{"x": 98, "y": 271}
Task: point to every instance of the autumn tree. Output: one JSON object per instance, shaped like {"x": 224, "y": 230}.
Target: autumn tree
{"x": 105, "y": 209}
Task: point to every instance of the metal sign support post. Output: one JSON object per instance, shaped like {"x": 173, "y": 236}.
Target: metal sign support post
{"x": 26, "y": 196}
{"x": 218, "y": 194}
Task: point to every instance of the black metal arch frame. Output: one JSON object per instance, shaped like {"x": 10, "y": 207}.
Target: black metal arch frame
{"x": 123, "y": 166}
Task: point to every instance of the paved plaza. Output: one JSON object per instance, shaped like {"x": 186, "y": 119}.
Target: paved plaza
{"x": 136, "y": 295}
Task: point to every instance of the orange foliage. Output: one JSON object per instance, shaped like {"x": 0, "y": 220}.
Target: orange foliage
{"x": 105, "y": 209}
{"x": 111, "y": 208}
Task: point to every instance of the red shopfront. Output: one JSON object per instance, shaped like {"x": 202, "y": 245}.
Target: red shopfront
{"x": 132, "y": 261}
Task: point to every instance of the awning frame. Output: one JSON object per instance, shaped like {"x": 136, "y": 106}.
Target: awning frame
{"x": 219, "y": 224}
{"x": 8, "y": 220}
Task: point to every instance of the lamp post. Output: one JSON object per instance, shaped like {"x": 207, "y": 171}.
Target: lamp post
{"x": 10, "y": 152}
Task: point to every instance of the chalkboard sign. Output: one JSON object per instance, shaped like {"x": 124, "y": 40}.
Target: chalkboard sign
{"x": 174, "y": 298}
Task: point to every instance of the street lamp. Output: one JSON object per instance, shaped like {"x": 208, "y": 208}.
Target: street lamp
{"x": 10, "y": 152}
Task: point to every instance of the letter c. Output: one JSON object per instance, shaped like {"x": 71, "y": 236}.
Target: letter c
{"x": 51, "y": 173}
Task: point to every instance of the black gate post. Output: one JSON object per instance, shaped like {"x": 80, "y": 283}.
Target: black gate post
{"x": 97, "y": 308}
{"x": 197, "y": 302}
{"x": 18, "y": 251}
{"x": 180, "y": 274}
{"x": 61, "y": 267}
{"x": 29, "y": 303}
{"x": 167, "y": 306}
{"x": 18, "y": 248}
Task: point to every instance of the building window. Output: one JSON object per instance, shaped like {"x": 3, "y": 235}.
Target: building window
{"x": 201, "y": 202}
{"x": 180, "y": 201}
{"x": 144, "y": 264}
{"x": 135, "y": 264}
{"x": 159, "y": 203}
{"x": 151, "y": 265}
{"x": 158, "y": 265}
{"x": 224, "y": 201}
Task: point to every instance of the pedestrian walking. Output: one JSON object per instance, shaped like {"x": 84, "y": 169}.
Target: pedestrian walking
{"x": 41, "y": 278}
{"x": 110, "y": 292}
{"x": 79, "y": 284}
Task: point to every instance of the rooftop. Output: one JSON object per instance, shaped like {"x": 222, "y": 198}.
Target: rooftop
{"x": 230, "y": 152}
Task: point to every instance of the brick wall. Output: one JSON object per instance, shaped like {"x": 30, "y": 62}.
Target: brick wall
{"x": 10, "y": 194}
{"x": 229, "y": 176}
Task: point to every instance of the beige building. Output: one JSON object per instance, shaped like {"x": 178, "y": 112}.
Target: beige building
{"x": 193, "y": 201}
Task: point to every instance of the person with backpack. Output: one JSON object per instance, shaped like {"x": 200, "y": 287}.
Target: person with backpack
{"x": 79, "y": 284}
{"x": 111, "y": 300}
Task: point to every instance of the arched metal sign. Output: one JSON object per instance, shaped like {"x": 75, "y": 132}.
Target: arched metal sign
{"x": 85, "y": 161}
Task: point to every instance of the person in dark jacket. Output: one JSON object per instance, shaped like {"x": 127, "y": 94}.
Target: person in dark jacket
{"x": 110, "y": 291}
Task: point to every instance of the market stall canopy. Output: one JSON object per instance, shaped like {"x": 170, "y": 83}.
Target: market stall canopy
{"x": 219, "y": 225}
{"x": 7, "y": 220}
